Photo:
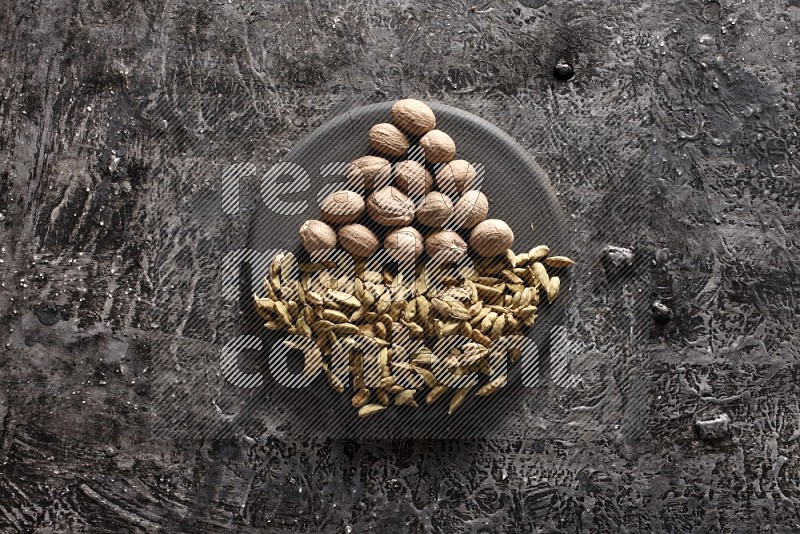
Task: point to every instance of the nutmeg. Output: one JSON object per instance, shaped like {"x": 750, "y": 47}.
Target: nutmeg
{"x": 342, "y": 207}
{"x": 412, "y": 178}
{"x": 470, "y": 209}
{"x": 437, "y": 146}
{"x": 358, "y": 240}
{"x": 456, "y": 177}
{"x": 386, "y": 139}
{"x": 369, "y": 172}
{"x": 491, "y": 237}
{"x": 403, "y": 244}
{"x": 434, "y": 209}
{"x": 413, "y": 116}
{"x": 445, "y": 246}
{"x": 316, "y": 235}
{"x": 390, "y": 207}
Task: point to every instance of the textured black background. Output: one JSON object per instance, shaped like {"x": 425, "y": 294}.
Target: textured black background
{"x": 99, "y": 251}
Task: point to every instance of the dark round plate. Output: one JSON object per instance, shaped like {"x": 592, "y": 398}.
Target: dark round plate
{"x": 519, "y": 192}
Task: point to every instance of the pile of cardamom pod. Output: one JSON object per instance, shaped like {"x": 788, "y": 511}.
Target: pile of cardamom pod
{"x": 378, "y": 328}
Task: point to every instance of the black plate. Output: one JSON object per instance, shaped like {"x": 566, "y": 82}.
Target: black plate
{"x": 519, "y": 192}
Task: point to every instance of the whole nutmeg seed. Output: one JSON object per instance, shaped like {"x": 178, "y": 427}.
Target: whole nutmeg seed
{"x": 412, "y": 178}
{"x": 491, "y": 237}
{"x": 403, "y": 244}
{"x": 434, "y": 209}
{"x": 390, "y": 207}
{"x": 470, "y": 209}
{"x": 342, "y": 207}
{"x": 386, "y": 139}
{"x": 456, "y": 177}
{"x": 413, "y": 116}
{"x": 316, "y": 235}
{"x": 437, "y": 146}
{"x": 358, "y": 240}
{"x": 445, "y": 246}
{"x": 369, "y": 172}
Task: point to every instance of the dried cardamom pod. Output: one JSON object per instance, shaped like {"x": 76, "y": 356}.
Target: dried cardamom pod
{"x": 360, "y": 398}
{"x": 440, "y": 306}
{"x": 382, "y": 396}
{"x": 372, "y": 276}
{"x": 427, "y": 376}
{"x": 346, "y": 329}
{"x": 435, "y": 393}
{"x": 283, "y": 313}
{"x": 287, "y": 268}
{"x": 462, "y": 314}
{"x": 275, "y": 273}
{"x": 410, "y": 312}
{"x": 314, "y": 298}
{"x": 358, "y": 315}
{"x": 380, "y": 330}
{"x": 526, "y": 312}
{"x": 559, "y": 262}
{"x": 366, "y": 330}
{"x": 302, "y": 327}
{"x": 370, "y": 409}
{"x": 264, "y": 304}
{"x": 482, "y": 313}
{"x": 334, "y": 316}
{"x": 512, "y": 322}
{"x": 515, "y": 288}
{"x": 406, "y": 398}
{"x": 466, "y": 329}
{"x": 497, "y": 327}
{"x": 480, "y": 338}
{"x": 510, "y": 277}
{"x": 511, "y": 258}
{"x": 333, "y": 380}
{"x": 537, "y": 253}
{"x": 490, "y": 292}
{"x": 423, "y": 309}
{"x": 552, "y": 288}
{"x": 386, "y": 382}
{"x": 322, "y": 326}
{"x": 344, "y": 298}
{"x": 413, "y": 328}
{"x": 383, "y": 305}
{"x": 488, "y": 321}
{"x": 492, "y": 386}
{"x": 458, "y": 399}
{"x": 541, "y": 273}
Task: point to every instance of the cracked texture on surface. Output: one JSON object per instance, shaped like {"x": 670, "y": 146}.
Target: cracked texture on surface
{"x": 99, "y": 253}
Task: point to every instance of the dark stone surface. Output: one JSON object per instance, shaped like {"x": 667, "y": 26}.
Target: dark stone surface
{"x": 691, "y": 103}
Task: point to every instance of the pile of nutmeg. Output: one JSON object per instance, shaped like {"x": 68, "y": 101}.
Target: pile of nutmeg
{"x": 409, "y": 190}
